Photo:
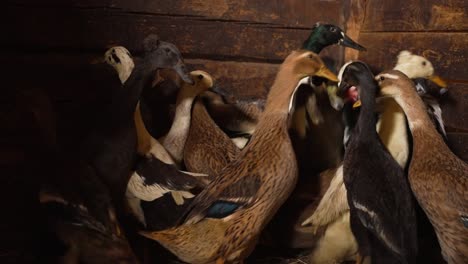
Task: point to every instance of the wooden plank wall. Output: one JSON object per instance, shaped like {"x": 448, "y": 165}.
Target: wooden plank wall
{"x": 241, "y": 43}
{"x": 436, "y": 29}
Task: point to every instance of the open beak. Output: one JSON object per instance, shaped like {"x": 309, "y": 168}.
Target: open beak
{"x": 348, "y": 42}
{"x": 437, "y": 80}
{"x": 357, "y": 104}
{"x": 326, "y": 73}
{"x": 181, "y": 69}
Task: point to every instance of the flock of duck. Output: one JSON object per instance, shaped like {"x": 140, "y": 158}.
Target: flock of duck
{"x": 205, "y": 176}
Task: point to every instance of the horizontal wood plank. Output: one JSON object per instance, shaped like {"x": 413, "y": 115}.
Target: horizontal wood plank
{"x": 79, "y": 30}
{"x": 416, "y": 15}
{"x": 298, "y": 13}
{"x": 446, "y": 51}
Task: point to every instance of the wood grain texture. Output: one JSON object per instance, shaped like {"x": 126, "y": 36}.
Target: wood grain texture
{"x": 91, "y": 29}
{"x": 446, "y": 51}
{"x": 416, "y": 15}
{"x": 289, "y": 13}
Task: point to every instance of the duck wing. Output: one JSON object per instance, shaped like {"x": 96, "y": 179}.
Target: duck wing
{"x": 153, "y": 178}
{"x": 220, "y": 200}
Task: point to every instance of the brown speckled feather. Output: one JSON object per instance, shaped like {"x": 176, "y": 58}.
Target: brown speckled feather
{"x": 438, "y": 178}
{"x": 207, "y": 149}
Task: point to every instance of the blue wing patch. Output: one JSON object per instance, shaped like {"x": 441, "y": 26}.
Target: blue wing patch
{"x": 221, "y": 209}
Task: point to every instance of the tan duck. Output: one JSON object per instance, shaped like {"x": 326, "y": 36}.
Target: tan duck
{"x": 175, "y": 139}
{"x": 248, "y": 192}
{"x": 208, "y": 149}
{"x": 438, "y": 178}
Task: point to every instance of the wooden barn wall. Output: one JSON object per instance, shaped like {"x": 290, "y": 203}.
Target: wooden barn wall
{"x": 51, "y": 45}
{"x": 436, "y": 29}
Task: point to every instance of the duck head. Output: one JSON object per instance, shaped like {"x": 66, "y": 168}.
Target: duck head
{"x": 415, "y": 66}
{"x": 394, "y": 83}
{"x": 353, "y": 75}
{"x": 306, "y": 63}
{"x": 202, "y": 81}
{"x": 121, "y": 59}
{"x": 324, "y": 35}
{"x": 161, "y": 54}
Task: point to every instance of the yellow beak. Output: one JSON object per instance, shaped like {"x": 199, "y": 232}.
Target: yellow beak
{"x": 437, "y": 80}
{"x": 326, "y": 73}
{"x": 357, "y": 104}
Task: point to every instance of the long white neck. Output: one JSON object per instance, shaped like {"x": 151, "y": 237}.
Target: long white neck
{"x": 175, "y": 139}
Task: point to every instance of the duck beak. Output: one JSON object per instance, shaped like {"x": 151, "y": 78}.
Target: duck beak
{"x": 437, "y": 80}
{"x": 348, "y": 42}
{"x": 181, "y": 69}
{"x": 326, "y": 73}
{"x": 357, "y": 104}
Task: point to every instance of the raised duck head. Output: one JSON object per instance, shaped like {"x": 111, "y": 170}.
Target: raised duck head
{"x": 394, "y": 83}
{"x": 297, "y": 68}
{"x": 353, "y": 76}
{"x": 415, "y": 66}
{"x": 121, "y": 59}
{"x": 161, "y": 54}
{"x": 324, "y": 35}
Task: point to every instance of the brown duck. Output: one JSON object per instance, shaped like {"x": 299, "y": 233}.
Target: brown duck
{"x": 248, "y": 192}
{"x": 438, "y": 178}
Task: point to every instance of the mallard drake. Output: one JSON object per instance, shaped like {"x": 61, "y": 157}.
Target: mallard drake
{"x": 385, "y": 228}
{"x": 248, "y": 192}
{"x": 208, "y": 149}
{"x": 437, "y": 177}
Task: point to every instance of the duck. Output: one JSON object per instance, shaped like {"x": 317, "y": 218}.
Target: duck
{"x": 208, "y": 149}
{"x": 240, "y": 116}
{"x": 111, "y": 148}
{"x": 437, "y": 177}
{"x": 157, "y": 173}
{"x": 392, "y": 129}
{"x": 384, "y": 228}
{"x": 421, "y": 71}
{"x": 80, "y": 216}
{"x": 174, "y": 140}
{"x": 240, "y": 202}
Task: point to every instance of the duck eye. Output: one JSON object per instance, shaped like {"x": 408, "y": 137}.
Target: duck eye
{"x": 423, "y": 63}
{"x": 200, "y": 76}
{"x": 382, "y": 78}
{"x": 167, "y": 50}
{"x": 333, "y": 29}
{"x": 311, "y": 56}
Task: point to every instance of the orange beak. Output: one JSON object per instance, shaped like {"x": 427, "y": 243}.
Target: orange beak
{"x": 437, "y": 80}
{"x": 326, "y": 73}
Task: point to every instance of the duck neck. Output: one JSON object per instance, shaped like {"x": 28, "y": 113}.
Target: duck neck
{"x": 367, "y": 120}
{"x": 313, "y": 44}
{"x": 175, "y": 139}
{"x": 422, "y": 129}
{"x": 281, "y": 95}
{"x": 125, "y": 100}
